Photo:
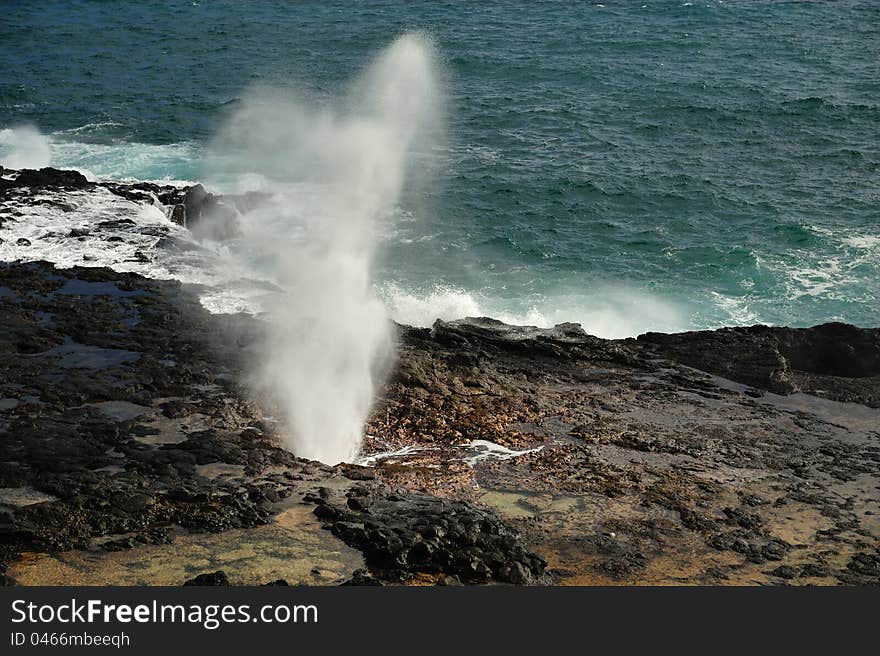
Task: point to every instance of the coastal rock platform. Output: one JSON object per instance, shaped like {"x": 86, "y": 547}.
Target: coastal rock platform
{"x": 134, "y": 451}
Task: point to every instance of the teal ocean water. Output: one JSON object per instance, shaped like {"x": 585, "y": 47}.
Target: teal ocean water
{"x": 648, "y": 165}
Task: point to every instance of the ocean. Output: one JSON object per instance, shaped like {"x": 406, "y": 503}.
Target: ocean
{"x": 631, "y": 166}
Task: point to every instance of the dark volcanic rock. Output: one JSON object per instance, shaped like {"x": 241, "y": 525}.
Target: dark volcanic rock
{"x": 178, "y": 214}
{"x": 208, "y": 215}
{"x": 563, "y": 340}
{"x": 46, "y": 177}
{"x": 638, "y": 422}
{"x": 217, "y": 578}
{"x": 197, "y": 201}
{"x": 420, "y": 533}
{"x": 101, "y": 470}
{"x": 114, "y": 426}
{"x": 362, "y": 577}
{"x": 123, "y": 421}
{"x": 836, "y": 360}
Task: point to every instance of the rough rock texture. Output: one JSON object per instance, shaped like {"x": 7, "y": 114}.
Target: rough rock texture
{"x": 834, "y": 360}
{"x": 206, "y": 214}
{"x": 399, "y": 533}
{"x": 46, "y": 177}
{"x": 495, "y": 453}
{"x": 110, "y": 377}
{"x": 628, "y": 466}
{"x": 122, "y": 425}
{"x": 217, "y": 578}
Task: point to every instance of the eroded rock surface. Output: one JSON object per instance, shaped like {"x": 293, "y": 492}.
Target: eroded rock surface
{"x": 124, "y": 427}
{"x": 495, "y": 454}
{"x": 636, "y": 467}
{"x": 835, "y": 360}
{"x": 193, "y": 207}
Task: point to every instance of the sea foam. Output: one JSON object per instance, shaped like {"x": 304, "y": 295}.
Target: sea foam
{"x": 23, "y": 147}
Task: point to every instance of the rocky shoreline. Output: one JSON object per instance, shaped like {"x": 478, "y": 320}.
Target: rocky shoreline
{"x": 495, "y": 453}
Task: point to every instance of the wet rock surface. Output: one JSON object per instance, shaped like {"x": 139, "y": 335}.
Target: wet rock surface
{"x": 87, "y": 425}
{"x": 835, "y": 360}
{"x": 193, "y": 207}
{"x": 403, "y": 532}
{"x": 45, "y": 177}
{"x": 631, "y": 465}
{"x": 123, "y": 427}
{"x": 495, "y": 453}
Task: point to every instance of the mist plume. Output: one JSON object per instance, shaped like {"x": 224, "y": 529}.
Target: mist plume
{"x": 333, "y": 174}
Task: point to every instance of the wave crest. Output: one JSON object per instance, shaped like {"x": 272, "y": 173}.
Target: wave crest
{"x": 24, "y": 147}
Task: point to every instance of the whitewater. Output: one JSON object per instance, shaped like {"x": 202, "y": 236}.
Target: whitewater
{"x": 610, "y": 311}
{"x": 631, "y": 167}
{"x": 227, "y": 286}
